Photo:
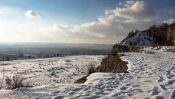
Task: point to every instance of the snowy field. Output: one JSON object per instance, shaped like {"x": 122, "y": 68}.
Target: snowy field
{"x": 152, "y": 76}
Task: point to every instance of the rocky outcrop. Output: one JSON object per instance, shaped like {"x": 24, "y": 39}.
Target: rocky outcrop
{"x": 121, "y": 48}
{"x": 113, "y": 64}
{"x": 160, "y": 35}
{"x": 134, "y": 42}
{"x": 171, "y": 34}
{"x": 142, "y": 38}
{"x": 163, "y": 35}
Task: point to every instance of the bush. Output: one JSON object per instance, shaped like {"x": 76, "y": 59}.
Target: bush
{"x": 17, "y": 81}
{"x": 91, "y": 69}
{"x": 68, "y": 60}
{"x": 81, "y": 80}
{"x": 113, "y": 64}
{"x": 150, "y": 52}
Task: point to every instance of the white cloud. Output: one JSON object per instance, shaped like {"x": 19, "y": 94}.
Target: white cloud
{"x": 10, "y": 11}
{"x": 171, "y": 11}
{"x": 112, "y": 27}
{"x": 169, "y": 21}
{"x": 108, "y": 27}
{"x": 5, "y": 10}
{"x": 133, "y": 10}
{"x": 129, "y": 3}
{"x": 31, "y": 14}
{"x": 167, "y": 12}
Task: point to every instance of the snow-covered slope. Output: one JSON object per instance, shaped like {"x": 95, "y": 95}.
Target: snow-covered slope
{"x": 152, "y": 76}
{"x": 141, "y": 39}
{"x": 50, "y": 71}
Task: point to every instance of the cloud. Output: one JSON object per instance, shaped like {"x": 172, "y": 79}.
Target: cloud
{"x": 133, "y": 10}
{"x": 169, "y": 21}
{"x": 5, "y": 10}
{"x": 169, "y": 11}
{"x": 109, "y": 27}
{"x": 112, "y": 27}
{"x": 31, "y": 14}
{"x": 129, "y": 3}
{"x": 106, "y": 30}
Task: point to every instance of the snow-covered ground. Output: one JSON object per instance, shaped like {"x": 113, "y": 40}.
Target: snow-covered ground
{"x": 51, "y": 70}
{"x": 152, "y": 76}
{"x": 141, "y": 39}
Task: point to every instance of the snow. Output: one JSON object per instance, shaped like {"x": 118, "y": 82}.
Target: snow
{"x": 51, "y": 70}
{"x": 141, "y": 39}
{"x": 152, "y": 76}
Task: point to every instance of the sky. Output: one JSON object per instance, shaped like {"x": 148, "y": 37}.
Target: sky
{"x": 79, "y": 21}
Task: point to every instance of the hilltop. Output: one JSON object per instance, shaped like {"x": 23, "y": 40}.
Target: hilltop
{"x": 162, "y": 35}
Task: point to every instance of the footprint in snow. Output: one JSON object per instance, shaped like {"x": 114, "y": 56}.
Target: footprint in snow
{"x": 160, "y": 79}
{"x": 123, "y": 88}
{"x": 159, "y": 97}
{"x": 77, "y": 89}
{"x": 170, "y": 82}
{"x": 56, "y": 92}
{"x": 163, "y": 87}
{"x": 155, "y": 91}
{"x": 58, "y": 97}
{"x": 172, "y": 96}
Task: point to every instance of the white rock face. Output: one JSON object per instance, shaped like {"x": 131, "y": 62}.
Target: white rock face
{"x": 141, "y": 39}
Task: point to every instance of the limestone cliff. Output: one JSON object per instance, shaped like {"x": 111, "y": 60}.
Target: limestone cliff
{"x": 171, "y": 33}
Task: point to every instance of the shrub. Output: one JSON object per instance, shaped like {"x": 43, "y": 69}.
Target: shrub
{"x": 81, "y": 80}
{"x": 150, "y": 52}
{"x": 91, "y": 69}
{"x": 68, "y": 60}
{"x": 17, "y": 81}
{"x": 113, "y": 64}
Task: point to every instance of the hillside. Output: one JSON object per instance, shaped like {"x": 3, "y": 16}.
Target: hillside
{"x": 151, "y": 76}
{"x": 163, "y": 35}
{"x": 140, "y": 39}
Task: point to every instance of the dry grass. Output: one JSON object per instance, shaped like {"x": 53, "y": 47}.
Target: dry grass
{"x": 150, "y": 52}
{"x": 81, "y": 80}
{"x": 113, "y": 64}
{"x": 68, "y": 60}
{"x": 16, "y": 81}
{"x": 91, "y": 69}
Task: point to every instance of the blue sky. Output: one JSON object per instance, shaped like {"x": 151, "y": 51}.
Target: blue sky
{"x": 79, "y": 21}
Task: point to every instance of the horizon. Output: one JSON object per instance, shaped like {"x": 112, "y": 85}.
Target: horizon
{"x": 79, "y": 21}
{"x": 51, "y": 43}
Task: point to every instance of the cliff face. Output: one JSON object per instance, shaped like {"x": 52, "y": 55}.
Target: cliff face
{"x": 171, "y": 34}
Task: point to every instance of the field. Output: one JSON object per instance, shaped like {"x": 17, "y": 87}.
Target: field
{"x": 152, "y": 76}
